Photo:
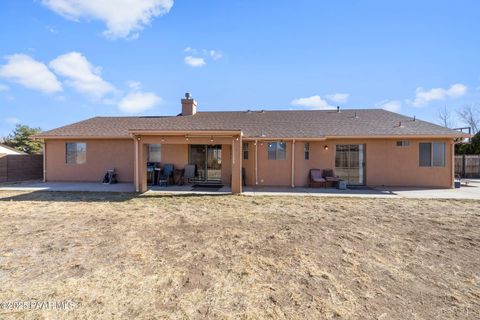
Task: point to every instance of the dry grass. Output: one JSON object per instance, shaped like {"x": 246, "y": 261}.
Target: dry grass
{"x": 118, "y": 256}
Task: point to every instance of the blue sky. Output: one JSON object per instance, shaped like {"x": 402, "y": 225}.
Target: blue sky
{"x": 62, "y": 62}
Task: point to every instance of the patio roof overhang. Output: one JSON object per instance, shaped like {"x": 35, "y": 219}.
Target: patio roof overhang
{"x": 189, "y": 133}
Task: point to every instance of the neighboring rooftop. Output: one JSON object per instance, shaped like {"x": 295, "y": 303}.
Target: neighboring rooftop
{"x": 4, "y": 149}
{"x": 268, "y": 124}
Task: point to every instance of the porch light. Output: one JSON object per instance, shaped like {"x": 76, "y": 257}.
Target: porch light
{"x": 325, "y": 147}
{"x": 186, "y": 138}
{"x": 163, "y": 139}
{"x": 211, "y": 139}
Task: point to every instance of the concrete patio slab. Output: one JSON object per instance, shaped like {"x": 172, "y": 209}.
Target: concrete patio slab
{"x": 472, "y": 191}
{"x": 68, "y": 186}
{"x": 187, "y": 189}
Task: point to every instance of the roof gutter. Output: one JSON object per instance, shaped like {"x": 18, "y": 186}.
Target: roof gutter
{"x": 40, "y": 137}
{"x": 202, "y": 133}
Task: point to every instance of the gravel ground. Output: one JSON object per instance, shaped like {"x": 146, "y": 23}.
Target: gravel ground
{"x": 187, "y": 257}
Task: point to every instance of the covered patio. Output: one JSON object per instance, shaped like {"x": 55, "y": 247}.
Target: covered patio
{"x": 182, "y": 148}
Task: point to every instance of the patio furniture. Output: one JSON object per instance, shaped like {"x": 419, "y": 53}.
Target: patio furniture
{"x": 316, "y": 179}
{"x": 150, "y": 172}
{"x": 178, "y": 177}
{"x": 330, "y": 177}
{"x": 110, "y": 177}
{"x": 165, "y": 175}
{"x": 189, "y": 173}
{"x": 244, "y": 178}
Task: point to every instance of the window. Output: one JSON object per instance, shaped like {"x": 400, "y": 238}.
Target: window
{"x": 432, "y": 154}
{"x": 306, "y": 151}
{"x": 154, "y": 152}
{"x": 403, "y": 143}
{"x": 76, "y": 152}
{"x": 277, "y": 150}
{"x": 245, "y": 151}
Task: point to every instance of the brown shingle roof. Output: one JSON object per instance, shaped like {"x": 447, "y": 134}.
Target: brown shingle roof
{"x": 274, "y": 124}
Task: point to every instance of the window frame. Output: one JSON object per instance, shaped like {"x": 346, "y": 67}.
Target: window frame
{"x": 306, "y": 151}
{"x": 245, "y": 150}
{"x": 433, "y": 163}
{"x": 403, "y": 143}
{"x": 77, "y": 151}
{"x": 148, "y": 152}
{"x": 278, "y": 151}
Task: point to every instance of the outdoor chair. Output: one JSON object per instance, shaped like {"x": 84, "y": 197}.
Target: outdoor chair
{"x": 165, "y": 175}
{"x": 110, "y": 177}
{"x": 316, "y": 179}
{"x": 189, "y": 173}
{"x": 330, "y": 178}
{"x": 151, "y": 172}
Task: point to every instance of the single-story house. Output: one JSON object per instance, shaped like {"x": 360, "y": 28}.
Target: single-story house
{"x": 265, "y": 148}
{"x": 4, "y": 149}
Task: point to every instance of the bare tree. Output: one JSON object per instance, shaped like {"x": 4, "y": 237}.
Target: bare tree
{"x": 470, "y": 115}
{"x": 445, "y": 117}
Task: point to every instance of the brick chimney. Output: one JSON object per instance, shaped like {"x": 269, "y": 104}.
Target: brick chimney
{"x": 189, "y": 105}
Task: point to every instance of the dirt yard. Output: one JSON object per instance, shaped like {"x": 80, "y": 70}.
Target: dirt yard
{"x": 188, "y": 257}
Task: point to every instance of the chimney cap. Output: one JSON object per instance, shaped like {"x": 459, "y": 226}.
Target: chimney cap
{"x": 188, "y": 95}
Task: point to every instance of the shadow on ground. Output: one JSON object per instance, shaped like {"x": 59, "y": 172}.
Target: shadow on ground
{"x": 75, "y": 196}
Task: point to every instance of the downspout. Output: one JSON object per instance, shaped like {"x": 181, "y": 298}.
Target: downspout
{"x": 256, "y": 162}
{"x": 293, "y": 163}
{"x": 136, "y": 173}
{"x": 44, "y": 161}
{"x": 453, "y": 163}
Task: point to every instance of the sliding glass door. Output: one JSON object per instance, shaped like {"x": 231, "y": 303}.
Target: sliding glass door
{"x": 208, "y": 159}
{"x": 350, "y": 163}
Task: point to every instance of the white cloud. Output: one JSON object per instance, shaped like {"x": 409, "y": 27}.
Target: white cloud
{"x": 314, "y": 102}
{"x": 134, "y": 85}
{"x": 4, "y": 87}
{"x": 81, "y": 75}
{"x": 195, "y": 61}
{"x": 12, "y": 120}
{"x": 30, "y": 73}
{"x": 197, "y": 58}
{"x": 123, "y": 18}
{"x": 390, "y": 105}
{"x": 338, "y": 97}
{"x": 51, "y": 29}
{"x": 423, "y": 97}
{"x": 137, "y": 102}
{"x": 216, "y": 55}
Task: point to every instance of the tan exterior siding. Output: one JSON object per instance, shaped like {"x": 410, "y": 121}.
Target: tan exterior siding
{"x": 176, "y": 154}
{"x": 386, "y": 164}
{"x": 249, "y": 164}
{"x": 274, "y": 172}
{"x": 101, "y": 155}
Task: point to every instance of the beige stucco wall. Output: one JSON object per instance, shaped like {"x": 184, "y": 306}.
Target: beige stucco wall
{"x": 101, "y": 155}
{"x": 176, "y": 154}
{"x": 386, "y": 164}
{"x": 249, "y": 164}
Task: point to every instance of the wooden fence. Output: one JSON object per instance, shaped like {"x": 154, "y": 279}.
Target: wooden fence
{"x": 467, "y": 166}
{"x": 21, "y": 167}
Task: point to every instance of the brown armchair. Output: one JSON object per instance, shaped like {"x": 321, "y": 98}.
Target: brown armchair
{"x": 316, "y": 179}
